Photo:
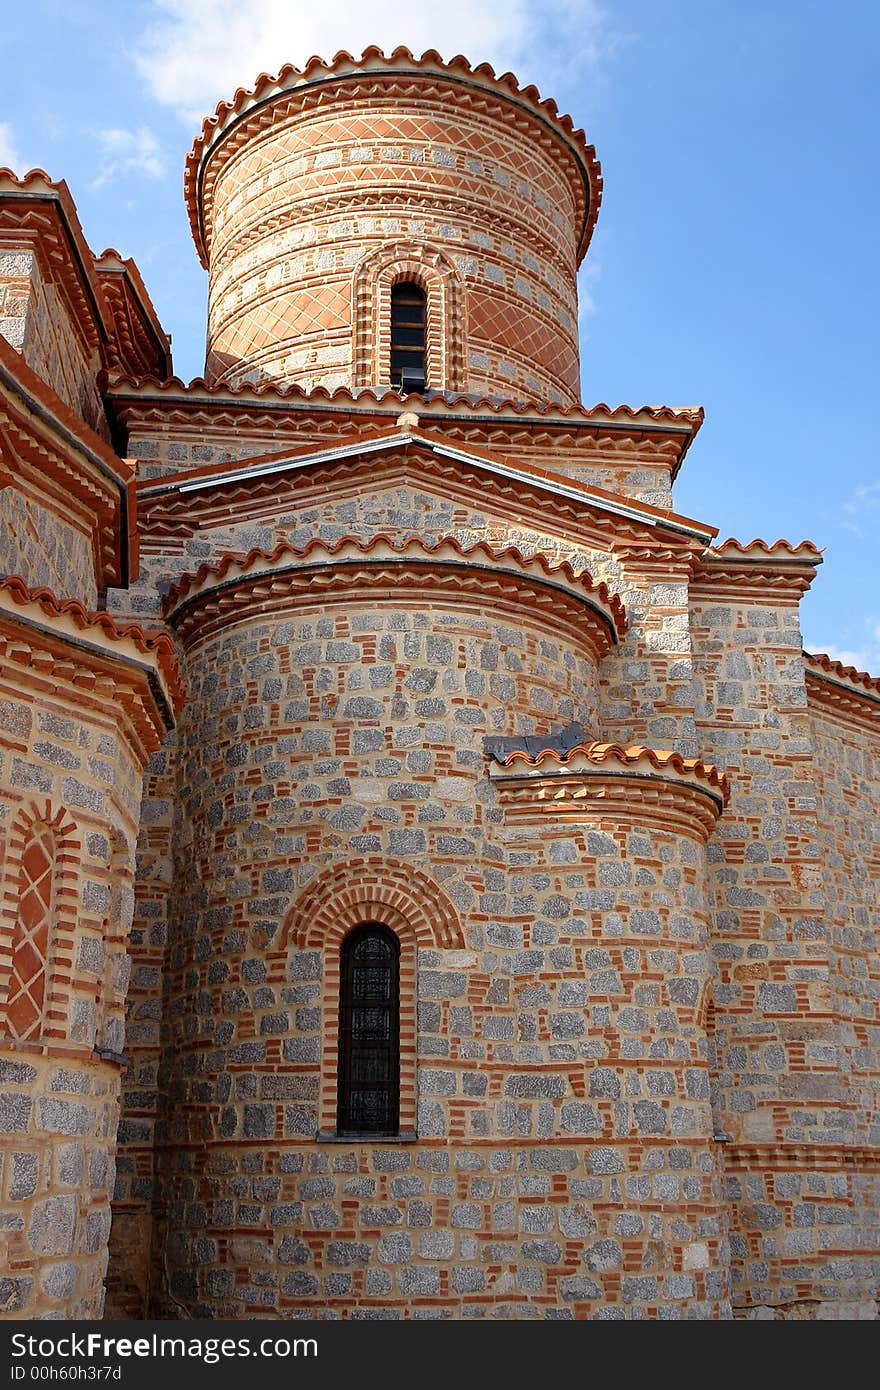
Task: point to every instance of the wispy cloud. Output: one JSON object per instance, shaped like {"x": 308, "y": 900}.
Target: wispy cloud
{"x": 124, "y": 152}
{"x": 197, "y": 52}
{"x": 860, "y": 514}
{"x": 588, "y": 277}
{"x": 9, "y": 155}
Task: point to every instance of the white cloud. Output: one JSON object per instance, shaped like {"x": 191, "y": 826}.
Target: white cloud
{"x": 9, "y": 155}
{"x": 197, "y": 52}
{"x": 865, "y": 656}
{"x": 588, "y": 277}
{"x": 128, "y": 152}
{"x": 861, "y": 514}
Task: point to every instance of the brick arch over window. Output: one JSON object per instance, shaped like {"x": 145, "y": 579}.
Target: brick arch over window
{"x": 37, "y": 922}
{"x": 374, "y": 280}
{"x": 421, "y": 916}
{"x": 337, "y": 899}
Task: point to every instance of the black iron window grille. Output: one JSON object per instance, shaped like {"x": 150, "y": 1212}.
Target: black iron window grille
{"x": 369, "y": 1032}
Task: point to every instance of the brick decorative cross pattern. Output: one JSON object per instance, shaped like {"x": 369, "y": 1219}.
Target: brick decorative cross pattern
{"x": 24, "y": 1011}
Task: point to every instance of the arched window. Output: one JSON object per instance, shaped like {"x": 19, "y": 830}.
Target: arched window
{"x": 408, "y": 328}
{"x": 30, "y": 938}
{"x": 369, "y": 1032}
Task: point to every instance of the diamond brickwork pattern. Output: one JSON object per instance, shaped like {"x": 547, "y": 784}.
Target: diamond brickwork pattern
{"x": 304, "y": 203}
{"x": 24, "y": 1009}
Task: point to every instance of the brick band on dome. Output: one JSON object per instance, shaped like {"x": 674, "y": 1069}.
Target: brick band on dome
{"x": 374, "y": 61}
{"x": 316, "y": 192}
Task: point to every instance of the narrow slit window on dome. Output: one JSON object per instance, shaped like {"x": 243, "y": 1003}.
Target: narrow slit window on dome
{"x": 369, "y": 1032}
{"x": 408, "y": 322}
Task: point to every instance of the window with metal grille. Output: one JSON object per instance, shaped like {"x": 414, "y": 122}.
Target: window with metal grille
{"x": 408, "y": 323}
{"x": 369, "y": 1032}
{"x": 30, "y": 941}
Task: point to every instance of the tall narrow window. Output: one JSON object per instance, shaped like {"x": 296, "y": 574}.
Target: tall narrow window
{"x": 30, "y": 942}
{"x": 408, "y": 316}
{"x": 369, "y": 1032}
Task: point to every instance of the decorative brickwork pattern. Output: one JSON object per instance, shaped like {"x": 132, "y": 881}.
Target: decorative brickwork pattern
{"x": 30, "y": 941}
{"x": 38, "y": 922}
{"x": 77, "y": 716}
{"x": 446, "y": 334}
{"x": 455, "y": 667}
{"x": 420, "y": 914}
{"x": 310, "y": 209}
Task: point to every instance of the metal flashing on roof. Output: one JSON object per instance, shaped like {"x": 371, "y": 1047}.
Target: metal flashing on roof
{"x": 402, "y": 440}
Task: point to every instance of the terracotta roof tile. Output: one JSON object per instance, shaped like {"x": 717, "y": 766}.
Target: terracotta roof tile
{"x": 374, "y": 60}
{"x": 218, "y": 569}
{"x": 149, "y": 641}
{"x": 803, "y": 550}
{"x": 111, "y": 331}
{"x": 674, "y": 416}
{"x": 628, "y": 756}
{"x": 141, "y": 342}
{"x": 827, "y": 666}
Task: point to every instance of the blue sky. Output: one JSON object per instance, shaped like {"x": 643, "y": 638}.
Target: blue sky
{"x": 734, "y": 264}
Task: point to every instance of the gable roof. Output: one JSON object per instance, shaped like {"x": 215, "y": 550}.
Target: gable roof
{"x": 59, "y": 455}
{"x": 405, "y": 437}
{"x": 108, "y": 302}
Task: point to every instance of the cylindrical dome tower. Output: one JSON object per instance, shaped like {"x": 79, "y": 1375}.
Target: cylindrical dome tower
{"x": 394, "y": 221}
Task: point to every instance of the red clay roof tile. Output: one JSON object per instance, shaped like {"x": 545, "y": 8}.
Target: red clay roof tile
{"x": 826, "y": 665}
{"x": 802, "y": 550}
{"x": 218, "y": 569}
{"x": 675, "y": 416}
{"x": 152, "y": 642}
{"x": 627, "y": 756}
{"x": 374, "y": 60}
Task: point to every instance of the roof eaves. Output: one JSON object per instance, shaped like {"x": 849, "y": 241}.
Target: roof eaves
{"x": 540, "y": 478}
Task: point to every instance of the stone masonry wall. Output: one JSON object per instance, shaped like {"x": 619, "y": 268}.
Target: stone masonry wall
{"x": 131, "y": 1234}
{"x": 46, "y": 550}
{"x": 35, "y": 319}
{"x": 847, "y": 765}
{"x": 565, "y": 1160}
{"x": 782, "y": 1096}
{"x": 65, "y": 764}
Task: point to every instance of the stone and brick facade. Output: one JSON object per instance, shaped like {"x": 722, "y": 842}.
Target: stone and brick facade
{"x": 297, "y": 655}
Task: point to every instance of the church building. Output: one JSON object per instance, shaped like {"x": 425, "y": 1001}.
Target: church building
{"x": 434, "y": 880}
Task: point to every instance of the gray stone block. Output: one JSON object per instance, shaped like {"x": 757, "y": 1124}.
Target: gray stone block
{"x": 15, "y": 1112}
